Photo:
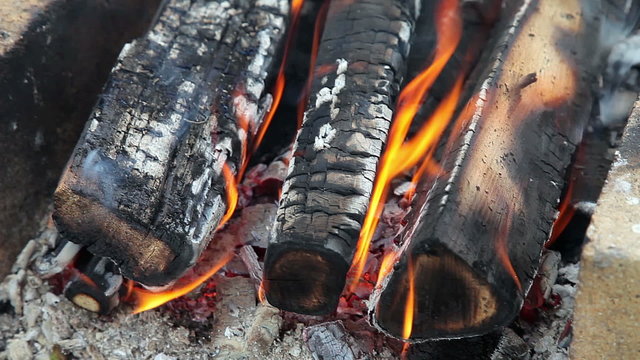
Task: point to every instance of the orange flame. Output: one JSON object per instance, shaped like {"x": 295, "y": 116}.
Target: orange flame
{"x": 261, "y": 295}
{"x": 503, "y": 250}
{"x": 388, "y": 260}
{"x": 232, "y": 194}
{"x": 317, "y": 33}
{"x": 566, "y": 209}
{"x": 405, "y": 350}
{"x": 566, "y": 214}
{"x": 129, "y": 286}
{"x": 399, "y": 156}
{"x": 147, "y": 300}
{"x": 296, "y": 6}
{"x": 409, "y": 309}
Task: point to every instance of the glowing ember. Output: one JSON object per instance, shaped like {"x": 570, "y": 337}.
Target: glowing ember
{"x": 296, "y": 6}
{"x": 502, "y": 249}
{"x": 399, "y": 156}
{"x": 147, "y": 300}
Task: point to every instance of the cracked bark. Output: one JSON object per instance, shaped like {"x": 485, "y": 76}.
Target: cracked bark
{"x": 361, "y": 62}
{"x": 144, "y": 185}
{"x": 475, "y": 235}
{"x": 50, "y": 77}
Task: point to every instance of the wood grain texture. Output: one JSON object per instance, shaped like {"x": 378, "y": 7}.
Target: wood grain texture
{"x": 475, "y": 236}
{"x": 144, "y": 186}
{"x": 360, "y": 65}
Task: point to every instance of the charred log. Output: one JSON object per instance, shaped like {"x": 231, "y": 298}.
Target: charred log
{"x": 476, "y": 234}
{"x": 360, "y": 64}
{"x": 50, "y": 76}
{"x": 96, "y": 285}
{"x": 145, "y": 184}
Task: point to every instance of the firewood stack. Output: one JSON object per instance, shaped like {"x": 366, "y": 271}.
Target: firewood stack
{"x": 149, "y": 180}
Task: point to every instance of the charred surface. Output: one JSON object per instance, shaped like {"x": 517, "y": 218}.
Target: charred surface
{"x": 476, "y": 234}
{"x": 55, "y": 56}
{"x": 96, "y": 285}
{"x": 144, "y": 186}
{"x": 361, "y": 62}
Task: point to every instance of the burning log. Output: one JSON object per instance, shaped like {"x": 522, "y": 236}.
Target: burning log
{"x": 50, "y": 76}
{"x": 360, "y": 64}
{"x": 476, "y": 234}
{"x": 96, "y": 285}
{"x": 145, "y": 185}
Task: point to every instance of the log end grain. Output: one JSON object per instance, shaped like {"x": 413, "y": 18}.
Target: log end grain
{"x": 452, "y": 299}
{"x": 142, "y": 256}
{"x": 304, "y": 280}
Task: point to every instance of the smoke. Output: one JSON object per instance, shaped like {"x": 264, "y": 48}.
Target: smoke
{"x": 620, "y": 47}
{"x": 98, "y": 172}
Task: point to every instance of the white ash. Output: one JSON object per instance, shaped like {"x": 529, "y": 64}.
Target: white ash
{"x": 549, "y": 338}
{"x": 33, "y": 320}
{"x": 324, "y": 138}
{"x": 327, "y": 95}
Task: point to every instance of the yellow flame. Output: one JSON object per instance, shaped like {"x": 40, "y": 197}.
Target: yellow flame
{"x": 388, "y": 260}
{"x": 409, "y": 308}
{"x": 232, "y": 194}
{"x": 147, "y": 300}
{"x": 398, "y": 156}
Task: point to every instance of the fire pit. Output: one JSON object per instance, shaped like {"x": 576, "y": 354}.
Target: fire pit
{"x": 332, "y": 179}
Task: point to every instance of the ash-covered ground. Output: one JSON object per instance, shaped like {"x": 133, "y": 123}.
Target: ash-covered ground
{"x": 224, "y": 319}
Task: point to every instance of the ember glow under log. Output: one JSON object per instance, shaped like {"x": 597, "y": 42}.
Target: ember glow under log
{"x": 475, "y": 235}
{"x": 146, "y": 183}
{"x": 95, "y": 284}
{"x": 359, "y": 68}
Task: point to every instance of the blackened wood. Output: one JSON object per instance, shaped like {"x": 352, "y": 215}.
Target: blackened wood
{"x": 54, "y": 58}
{"x": 144, "y": 186}
{"x": 95, "y": 285}
{"x": 361, "y": 61}
{"x": 475, "y": 236}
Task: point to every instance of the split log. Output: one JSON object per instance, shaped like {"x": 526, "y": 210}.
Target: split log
{"x": 144, "y": 185}
{"x": 475, "y": 236}
{"x": 96, "y": 285}
{"x": 360, "y": 64}
{"x": 55, "y": 55}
